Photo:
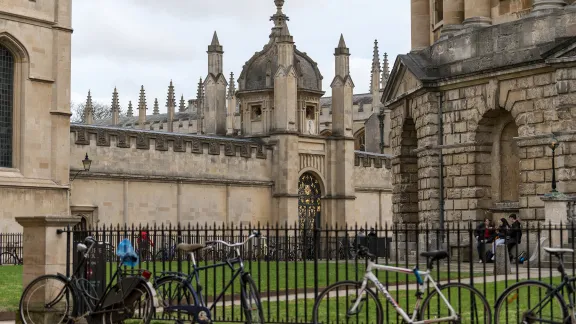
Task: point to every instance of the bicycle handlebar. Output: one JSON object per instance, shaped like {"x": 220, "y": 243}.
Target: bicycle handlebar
{"x": 214, "y": 242}
{"x": 364, "y": 252}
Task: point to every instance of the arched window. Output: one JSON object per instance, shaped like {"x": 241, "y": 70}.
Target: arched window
{"x": 6, "y": 106}
{"x": 360, "y": 140}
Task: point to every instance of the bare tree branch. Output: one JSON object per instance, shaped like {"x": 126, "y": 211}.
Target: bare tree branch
{"x": 101, "y": 111}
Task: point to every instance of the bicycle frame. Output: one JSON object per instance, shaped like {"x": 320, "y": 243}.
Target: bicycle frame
{"x": 423, "y": 277}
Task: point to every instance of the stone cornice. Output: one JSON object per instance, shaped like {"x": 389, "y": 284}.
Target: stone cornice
{"x": 45, "y": 221}
{"x": 375, "y": 160}
{"x": 232, "y": 146}
{"x": 168, "y": 179}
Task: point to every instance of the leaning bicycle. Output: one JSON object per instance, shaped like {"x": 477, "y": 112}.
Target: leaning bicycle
{"x": 58, "y": 299}
{"x": 533, "y": 301}
{"x": 180, "y": 294}
{"x": 356, "y": 302}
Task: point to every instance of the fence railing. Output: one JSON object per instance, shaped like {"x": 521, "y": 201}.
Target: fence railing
{"x": 10, "y": 248}
{"x": 292, "y": 265}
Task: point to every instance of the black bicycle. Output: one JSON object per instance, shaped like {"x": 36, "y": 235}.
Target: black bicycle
{"x": 10, "y": 257}
{"x": 533, "y": 301}
{"x": 181, "y": 302}
{"x": 57, "y": 299}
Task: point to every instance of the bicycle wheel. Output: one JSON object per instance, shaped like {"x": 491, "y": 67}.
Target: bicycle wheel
{"x": 174, "y": 291}
{"x": 137, "y": 308}
{"x": 530, "y": 302}
{"x": 335, "y": 302}
{"x": 47, "y": 299}
{"x": 466, "y": 300}
{"x": 251, "y": 301}
{"x": 8, "y": 258}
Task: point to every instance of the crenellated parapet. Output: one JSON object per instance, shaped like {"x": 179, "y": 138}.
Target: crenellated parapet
{"x": 369, "y": 160}
{"x": 162, "y": 141}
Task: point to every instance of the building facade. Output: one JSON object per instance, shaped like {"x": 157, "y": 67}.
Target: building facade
{"x": 487, "y": 87}
{"x": 246, "y": 155}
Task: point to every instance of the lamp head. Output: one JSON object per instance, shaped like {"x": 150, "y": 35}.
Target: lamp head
{"x": 87, "y": 162}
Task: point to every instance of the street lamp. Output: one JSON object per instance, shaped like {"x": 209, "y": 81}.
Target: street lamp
{"x": 86, "y": 163}
{"x": 553, "y": 145}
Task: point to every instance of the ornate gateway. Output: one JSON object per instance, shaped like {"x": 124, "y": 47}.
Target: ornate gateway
{"x": 309, "y": 194}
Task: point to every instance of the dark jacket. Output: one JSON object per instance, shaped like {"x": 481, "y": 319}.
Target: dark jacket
{"x": 515, "y": 233}
{"x": 502, "y": 231}
{"x": 481, "y": 231}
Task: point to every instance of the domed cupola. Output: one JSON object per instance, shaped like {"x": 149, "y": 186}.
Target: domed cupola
{"x": 258, "y": 73}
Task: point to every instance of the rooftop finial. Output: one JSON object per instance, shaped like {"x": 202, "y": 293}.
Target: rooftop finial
{"x": 215, "y": 41}
{"x": 182, "y": 107}
{"x": 231, "y": 86}
{"x": 342, "y": 43}
{"x": 115, "y": 101}
{"x": 279, "y": 18}
{"x": 130, "y": 112}
{"x": 156, "y": 110}
{"x": 171, "y": 100}
{"x": 385, "y": 70}
{"x": 88, "y": 110}
{"x": 142, "y": 99}
{"x": 376, "y": 58}
{"x": 200, "y": 92}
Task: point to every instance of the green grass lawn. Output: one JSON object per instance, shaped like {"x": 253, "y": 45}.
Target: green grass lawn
{"x": 269, "y": 277}
{"x": 10, "y": 287}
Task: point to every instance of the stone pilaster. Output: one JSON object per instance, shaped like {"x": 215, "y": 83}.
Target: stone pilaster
{"x": 477, "y": 13}
{"x": 215, "y": 91}
{"x": 420, "y": 24}
{"x": 285, "y": 84}
{"x": 44, "y": 251}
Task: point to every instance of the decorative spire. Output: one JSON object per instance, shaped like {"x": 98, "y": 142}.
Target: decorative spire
{"x": 376, "y": 58}
{"x": 115, "y": 107}
{"x": 171, "y": 100}
{"x": 279, "y": 18}
{"x": 115, "y": 101}
{"x": 182, "y": 107}
{"x": 231, "y": 86}
{"x": 215, "y": 45}
{"x": 342, "y": 49}
{"x": 142, "y": 100}
{"x": 156, "y": 110}
{"x": 89, "y": 110}
{"x": 385, "y": 70}
{"x": 200, "y": 92}
{"x": 130, "y": 112}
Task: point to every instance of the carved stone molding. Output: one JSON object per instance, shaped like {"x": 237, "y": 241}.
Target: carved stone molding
{"x": 179, "y": 141}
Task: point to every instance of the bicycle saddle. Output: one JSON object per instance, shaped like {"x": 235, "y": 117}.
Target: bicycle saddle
{"x": 558, "y": 251}
{"x": 435, "y": 255}
{"x": 189, "y": 247}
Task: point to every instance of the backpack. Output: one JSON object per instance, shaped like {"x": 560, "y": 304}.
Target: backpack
{"x": 522, "y": 257}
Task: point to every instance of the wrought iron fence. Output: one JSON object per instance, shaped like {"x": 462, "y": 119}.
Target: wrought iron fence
{"x": 10, "y": 248}
{"x": 290, "y": 279}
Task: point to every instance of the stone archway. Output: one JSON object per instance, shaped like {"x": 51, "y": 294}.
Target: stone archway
{"x": 405, "y": 179}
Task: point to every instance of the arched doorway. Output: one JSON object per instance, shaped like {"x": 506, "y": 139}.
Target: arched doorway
{"x": 309, "y": 210}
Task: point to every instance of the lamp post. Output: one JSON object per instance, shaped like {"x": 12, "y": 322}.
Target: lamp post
{"x": 86, "y": 163}
{"x": 553, "y": 146}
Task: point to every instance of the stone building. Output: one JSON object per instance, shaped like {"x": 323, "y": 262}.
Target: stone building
{"x": 487, "y": 87}
{"x": 187, "y": 165}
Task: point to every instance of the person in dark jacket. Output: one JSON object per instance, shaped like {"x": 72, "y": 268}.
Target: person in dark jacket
{"x": 514, "y": 236}
{"x": 500, "y": 237}
{"x": 484, "y": 233}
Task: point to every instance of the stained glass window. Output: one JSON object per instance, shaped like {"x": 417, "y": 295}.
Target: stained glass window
{"x": 6, "y": 106}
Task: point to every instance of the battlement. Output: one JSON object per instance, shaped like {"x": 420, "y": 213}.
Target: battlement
{"x": 162, "y": 141}
{"x": 367, "y": 160}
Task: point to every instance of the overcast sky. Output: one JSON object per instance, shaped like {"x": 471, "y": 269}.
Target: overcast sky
{"x": 129, "y": 43}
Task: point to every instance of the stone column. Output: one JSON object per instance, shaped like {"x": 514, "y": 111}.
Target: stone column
{"x": 44, "y": 251}
{"x": 540, "y": 5}
{"x": 477, "y": 13}
{"x": 453, "y": 16}
{"x": 420, "y": 22}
